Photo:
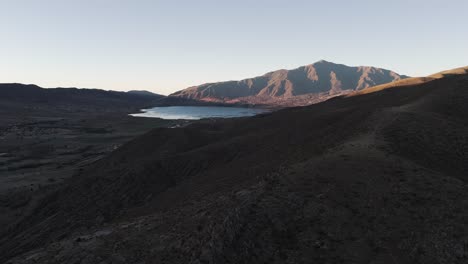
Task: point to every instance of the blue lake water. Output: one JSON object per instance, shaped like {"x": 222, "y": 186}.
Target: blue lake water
{"x": 199, "y": 112}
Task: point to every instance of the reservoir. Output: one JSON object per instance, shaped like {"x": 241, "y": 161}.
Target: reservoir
{"x": 199, "y": 112}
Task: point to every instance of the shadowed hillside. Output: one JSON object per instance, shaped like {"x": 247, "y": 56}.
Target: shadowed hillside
{"x": 315, "y": 82}
{"x": 34, "y": 98}
{"x": 373, "y": 178}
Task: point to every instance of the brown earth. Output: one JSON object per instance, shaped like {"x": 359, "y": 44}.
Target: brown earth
{"x": 372, "y": 178}
{"x": 38, "y": 154}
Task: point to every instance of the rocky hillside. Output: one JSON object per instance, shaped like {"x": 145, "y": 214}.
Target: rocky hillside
{"x": 378, "y": 177}
{"x": 319, "y": 80}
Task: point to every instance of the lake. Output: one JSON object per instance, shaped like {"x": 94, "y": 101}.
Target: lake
{"x": 199, "y": 112}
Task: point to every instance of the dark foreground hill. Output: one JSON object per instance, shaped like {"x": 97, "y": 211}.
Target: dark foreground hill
{"x": 302, "y": 86}
{"x": 371, "y": 178}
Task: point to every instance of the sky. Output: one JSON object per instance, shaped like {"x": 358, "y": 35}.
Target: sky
{"x": 165, "y": 46}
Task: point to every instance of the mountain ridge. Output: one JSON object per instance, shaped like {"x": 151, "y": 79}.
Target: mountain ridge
{"x": 30, "y": 96}
{"x": 321, "y": 79}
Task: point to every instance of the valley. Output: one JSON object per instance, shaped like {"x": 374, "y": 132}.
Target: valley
{"x": 234, "y": 132}
{"x": 370, "y": 177}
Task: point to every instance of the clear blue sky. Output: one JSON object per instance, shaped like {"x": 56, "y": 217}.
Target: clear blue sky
{"x": 164, "y": 46}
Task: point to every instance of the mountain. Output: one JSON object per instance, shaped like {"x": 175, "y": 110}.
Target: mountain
{"x": 317, "y": 81}
{"x": 34, "y": 98}
{"x": 144, "y": 93}
{"x": 376, "y": 177}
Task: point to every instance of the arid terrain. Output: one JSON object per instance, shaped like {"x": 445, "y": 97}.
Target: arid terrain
{"x": 376, "y": 176}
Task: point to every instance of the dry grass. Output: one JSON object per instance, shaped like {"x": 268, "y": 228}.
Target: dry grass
{"x": 412, "y": 81}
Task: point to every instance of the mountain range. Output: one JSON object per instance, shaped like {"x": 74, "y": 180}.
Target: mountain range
{"x": 311, "y": 83}
{"x": 283, "y": 88}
